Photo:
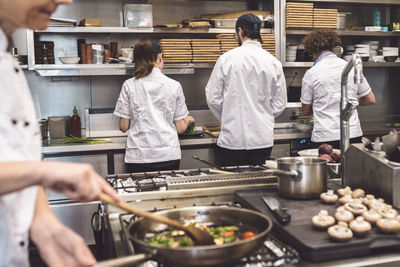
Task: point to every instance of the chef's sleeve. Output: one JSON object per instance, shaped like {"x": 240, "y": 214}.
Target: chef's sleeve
{"x": 214, "y": 90}
{"x": 122, "y": 106}
{"x": 181, "y": 110}
{"x": 279, "y": 92}
{"x": 307, "y": 89}
{"x": 363, "y": 88}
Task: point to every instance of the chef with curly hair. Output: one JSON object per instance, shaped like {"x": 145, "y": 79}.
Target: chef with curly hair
{"x": 321, "y": 90}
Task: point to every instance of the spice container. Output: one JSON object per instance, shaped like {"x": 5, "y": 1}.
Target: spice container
{"x": 59, "y": 127}
{"x": 89, "y": 54}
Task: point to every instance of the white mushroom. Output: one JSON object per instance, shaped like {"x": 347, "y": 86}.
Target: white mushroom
{"x": 358, "y": 193}
{"x": 371, "y": 216}
{"x": 355, "y": 207}
{"x": 343, "y": 215}
{"x": 329, "y": 197}
{"x": 360, "y": 227}
{"x": 387, "y": 212}
{"x": 340, "y": 232}
{"x": 389, "y": 226}
{"x": 346, "y": 199}
{"x": 367, "y": 199}
{"x": 344, "y": 191}
{"x": 323, "y": 220}
{"x": 377, "y": 204}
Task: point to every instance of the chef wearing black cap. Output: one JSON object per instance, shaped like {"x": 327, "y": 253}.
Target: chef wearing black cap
{"x": 152, "y": 109}
{"x": 246, "y": 91}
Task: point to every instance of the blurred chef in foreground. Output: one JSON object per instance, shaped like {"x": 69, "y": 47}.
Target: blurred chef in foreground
{"x": 246, "y": 91}
{"x": 24, "y": 208}
{"x": 152, "y": 109}
{"x": 321, "y": 90}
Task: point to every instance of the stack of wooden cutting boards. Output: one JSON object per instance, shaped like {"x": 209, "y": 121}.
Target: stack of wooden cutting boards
{"x": 325, "y": 18}
{"x": 269, "y": 43}
{"x": 206, "y": 50}
{"x": 299, "y": 15}
{"x": 176, "y": 50}
{"x": 228, "y": 41}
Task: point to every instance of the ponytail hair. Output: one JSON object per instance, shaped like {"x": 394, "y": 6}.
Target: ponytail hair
{"x": 144, "y": 58}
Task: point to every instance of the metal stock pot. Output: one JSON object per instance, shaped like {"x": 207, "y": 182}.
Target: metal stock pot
{"x": 302, "y": 178}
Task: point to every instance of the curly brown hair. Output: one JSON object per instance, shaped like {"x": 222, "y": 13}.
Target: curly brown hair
{"x": 321, "y": 40}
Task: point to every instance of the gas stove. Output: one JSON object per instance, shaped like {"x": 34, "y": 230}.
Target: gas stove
{"x": 191, "y": 178}
{"x": 154, "y": 191}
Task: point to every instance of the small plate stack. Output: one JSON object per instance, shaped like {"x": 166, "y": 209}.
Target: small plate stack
{"x": 176, "y": 50}
{"x": 291, "y": 51}
{"x": 325, "y": 18}
{"x": 299, "y": 15}
{"x": 373, "y": 47}
{"x": 206, "y": 50}
{"x": 390, "y": 54}
{"x": 363, "y": 51}
{"x": 268, "y": 43}
{"x": 348, "y": 52}
{"x": 228, "y": 42}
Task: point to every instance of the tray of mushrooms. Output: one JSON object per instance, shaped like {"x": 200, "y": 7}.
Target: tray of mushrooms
{"x": 357, "y": 213}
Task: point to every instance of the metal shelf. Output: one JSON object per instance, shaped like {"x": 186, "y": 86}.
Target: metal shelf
{"x": 109, "y": 30}
{"x": 365, "y": 64}
{"x": 105, "y": 69}
{"x": 387, "y": 2}
{"x": 349, "y": 33}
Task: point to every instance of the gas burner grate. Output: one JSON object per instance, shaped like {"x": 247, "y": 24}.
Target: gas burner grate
{"x": 220, "y": 180}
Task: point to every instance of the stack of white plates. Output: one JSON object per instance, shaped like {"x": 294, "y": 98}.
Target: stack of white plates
{"x": 348, "y": 52}
{"x": 373, "y": 48}
{"x": 291, "y": 51}
{"x": 362, "y": 50}
{"x": 390, "y": 53}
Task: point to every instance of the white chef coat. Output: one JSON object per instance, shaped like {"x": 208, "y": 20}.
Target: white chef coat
{"x": 152, "y": 104}
{"x": 19, "y": 141}
{"x": 246, "y": 91}
{"x": 321, "y": 87}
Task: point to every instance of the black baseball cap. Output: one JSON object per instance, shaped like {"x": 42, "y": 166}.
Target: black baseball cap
{"x": 155, "y": 47}
{"x": 251, "y": 23}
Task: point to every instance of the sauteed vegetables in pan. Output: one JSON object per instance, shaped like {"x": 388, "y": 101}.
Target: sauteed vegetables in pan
{"x": 221, "y": 234}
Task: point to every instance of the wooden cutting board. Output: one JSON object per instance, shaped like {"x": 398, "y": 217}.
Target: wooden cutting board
{"x": 314, "y": 245}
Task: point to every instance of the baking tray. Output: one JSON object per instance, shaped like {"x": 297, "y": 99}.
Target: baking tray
{"x": 314, "y": 245}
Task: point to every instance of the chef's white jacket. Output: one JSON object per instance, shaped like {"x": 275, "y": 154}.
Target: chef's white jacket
{"x": 246, "y": 91}
{"x": 19, "y": 141}
{"x": 152, "y": 104}
{"x": 321, "y": 87}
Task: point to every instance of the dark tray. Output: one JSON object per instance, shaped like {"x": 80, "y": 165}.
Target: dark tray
{"x": 314, "y": 245}
{"x": 191, "y": 135}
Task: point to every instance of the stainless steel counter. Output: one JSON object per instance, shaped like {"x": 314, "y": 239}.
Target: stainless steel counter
{"x": 55, "y": 147}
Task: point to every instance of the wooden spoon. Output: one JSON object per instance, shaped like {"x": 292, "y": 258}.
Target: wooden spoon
{"x": 200, "y": 237}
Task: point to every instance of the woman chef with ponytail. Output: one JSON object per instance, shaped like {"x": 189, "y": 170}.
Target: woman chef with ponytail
{"x": 152, "y": 109}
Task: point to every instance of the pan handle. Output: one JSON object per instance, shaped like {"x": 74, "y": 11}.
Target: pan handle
{"x": 273, "y": 169}
{"x": 125, "y": 261}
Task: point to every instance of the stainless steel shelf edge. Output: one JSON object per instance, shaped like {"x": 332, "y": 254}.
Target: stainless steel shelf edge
{"x": 109, "y": 30}
{"x": 104, "y": 69}
{"x": 348, "y": 33}
{"x": 388, "y": 2}
{"x": 366, "y": 64}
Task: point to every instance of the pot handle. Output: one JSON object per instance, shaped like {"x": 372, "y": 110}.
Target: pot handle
{"x": 125, "y": 261}
{"x": 273, "y": 169}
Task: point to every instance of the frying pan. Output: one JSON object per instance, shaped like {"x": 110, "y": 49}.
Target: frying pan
{"x": 198, "y": 255}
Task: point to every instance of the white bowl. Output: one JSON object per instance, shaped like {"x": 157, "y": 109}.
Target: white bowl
{"x": 290, "y": 59}
{"x": 69, "y": 60}
{"x": 303, "y": 127}
{"x": 374, "y": 47}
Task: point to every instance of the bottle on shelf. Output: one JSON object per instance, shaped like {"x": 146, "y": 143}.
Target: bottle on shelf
{"x": 75, "y": 124}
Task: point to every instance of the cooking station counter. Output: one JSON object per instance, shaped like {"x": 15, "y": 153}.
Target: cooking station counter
{"x": 118, "y": 143}
{"x": 189, "y": 191}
